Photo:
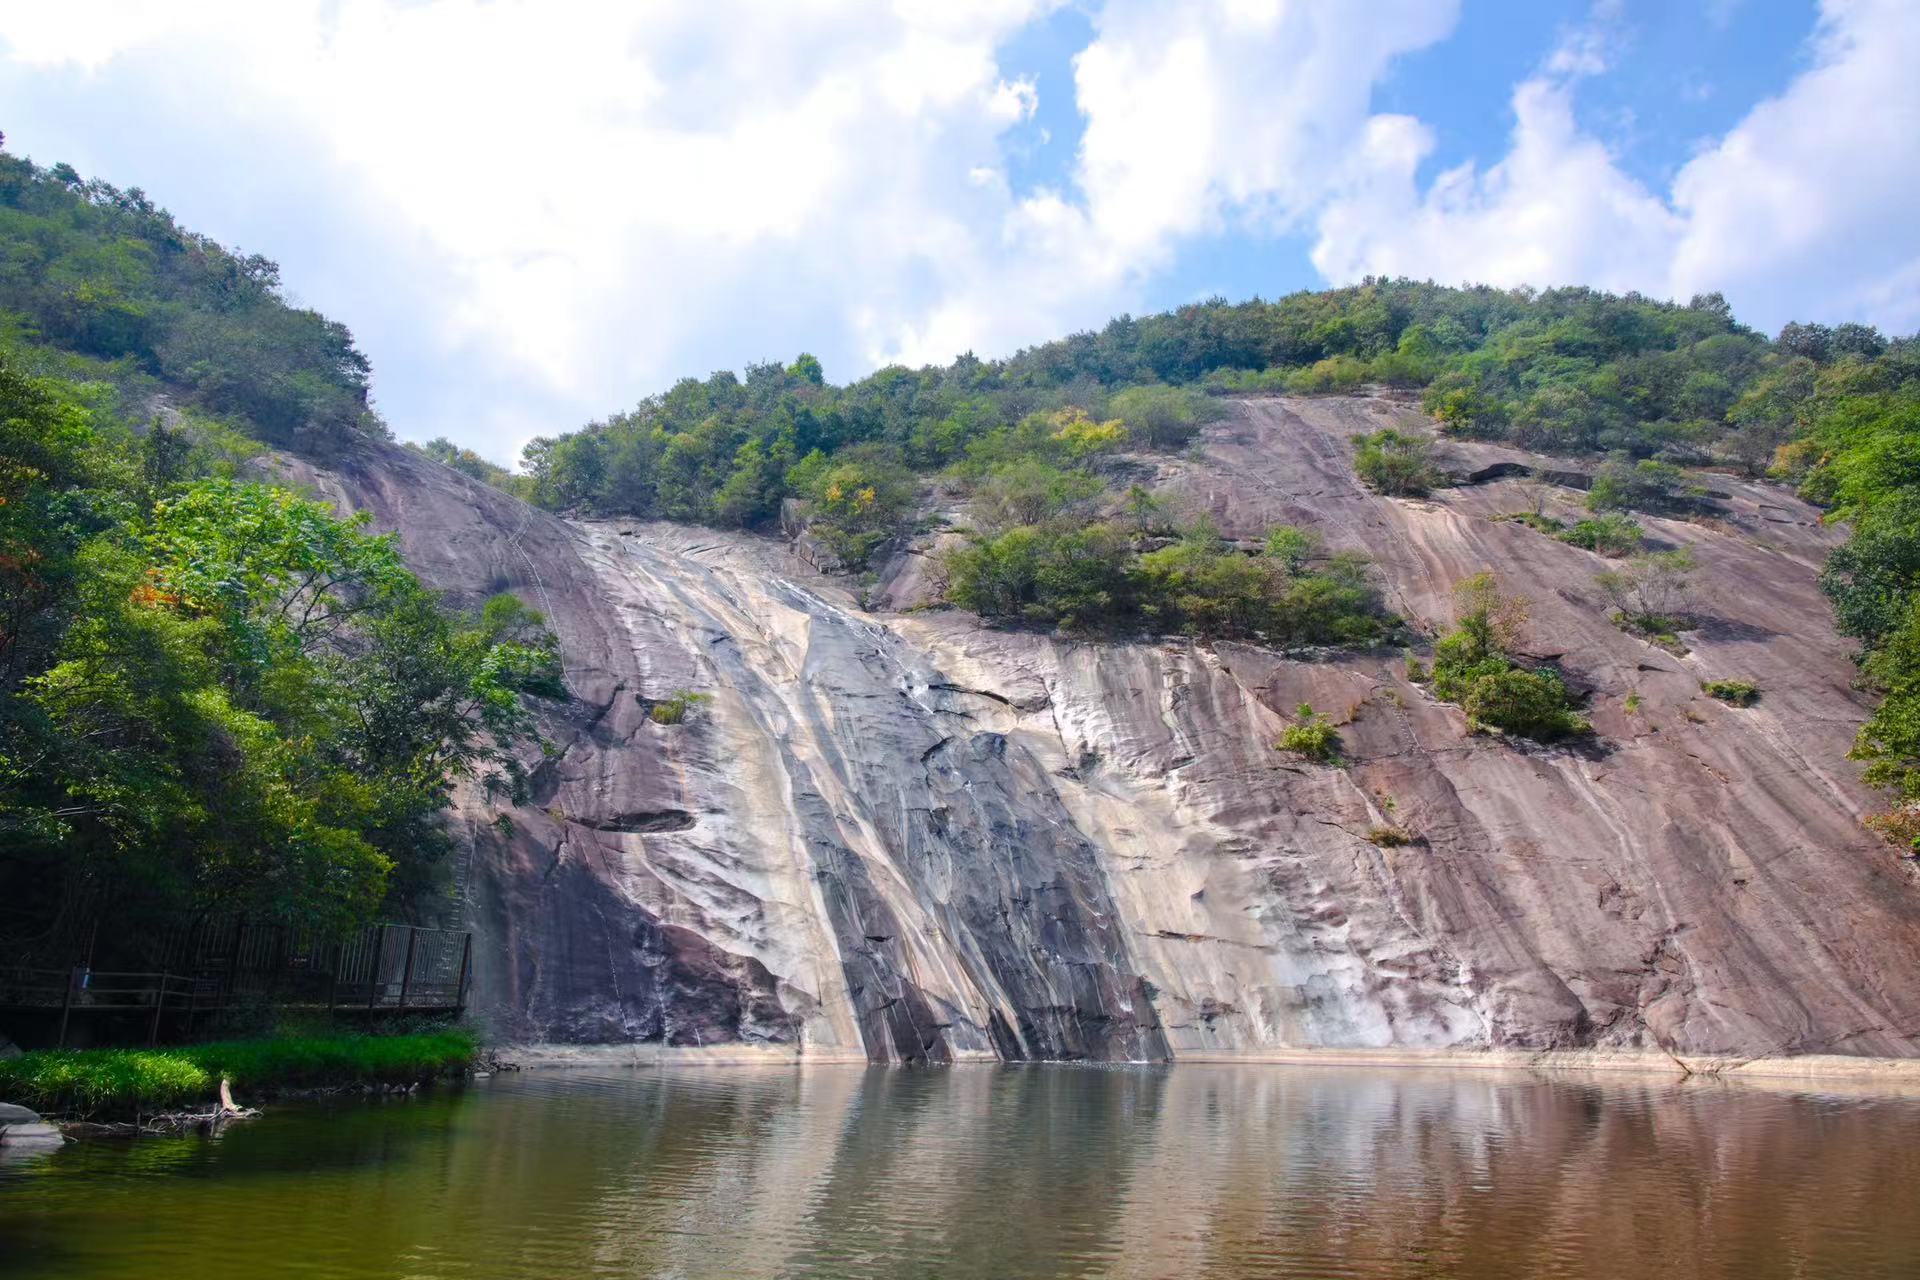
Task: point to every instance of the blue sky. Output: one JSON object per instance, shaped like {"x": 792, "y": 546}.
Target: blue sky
{"x": 532, "y": 215}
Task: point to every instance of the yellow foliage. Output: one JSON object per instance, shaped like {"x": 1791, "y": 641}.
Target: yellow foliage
{"x": 1082, "y": 436}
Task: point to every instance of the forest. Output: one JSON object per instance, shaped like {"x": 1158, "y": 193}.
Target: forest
{"x": 216, "y": 695}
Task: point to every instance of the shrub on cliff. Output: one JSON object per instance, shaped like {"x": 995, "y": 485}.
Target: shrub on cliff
{"x": 1740, "y": 693}
{"x": 1311, "y": 736}
{"x": 1472, "y": 666}
{"x": 1609, "y": 535}
{"x": 1395, "y": 463}
{"x": 1649, "y": 594}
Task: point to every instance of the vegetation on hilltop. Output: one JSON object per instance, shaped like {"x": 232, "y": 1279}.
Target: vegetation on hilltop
{"x": 100, "y": 284}
{"x": 1563, "y": 370}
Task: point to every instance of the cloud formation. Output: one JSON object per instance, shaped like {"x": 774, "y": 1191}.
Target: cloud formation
{"x": 533, "y": 213}
{"x": 1804, "y": 209}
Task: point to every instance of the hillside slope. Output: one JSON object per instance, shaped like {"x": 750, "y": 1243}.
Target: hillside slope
{"x": 907, "y": 836}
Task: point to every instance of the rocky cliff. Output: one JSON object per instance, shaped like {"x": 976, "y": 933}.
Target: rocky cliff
{"x": 896, "y": 833}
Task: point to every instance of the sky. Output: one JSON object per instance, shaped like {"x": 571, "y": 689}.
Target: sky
{"x": 533, "y": 214}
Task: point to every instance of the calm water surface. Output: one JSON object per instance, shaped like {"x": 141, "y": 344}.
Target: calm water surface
{"x": 1000, "y": 1172}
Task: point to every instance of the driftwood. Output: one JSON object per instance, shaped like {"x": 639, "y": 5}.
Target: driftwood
{"x": 225, "y": 1109}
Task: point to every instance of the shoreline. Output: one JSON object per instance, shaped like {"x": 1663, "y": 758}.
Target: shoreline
{"x": 1808, "y": 1070}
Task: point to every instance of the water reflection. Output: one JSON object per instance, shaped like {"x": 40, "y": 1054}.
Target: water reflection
{"x": 1195, "y": 1170}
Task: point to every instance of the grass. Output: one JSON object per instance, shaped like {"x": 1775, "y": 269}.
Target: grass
{"x": 1655, "y": 629}
{"x": 1609, "y": 535}
{"x": 1390, "y": 837}
{"x": 1741, "y": 693}
{"x": 674, "y": 708}
{"x": 91, "y": 1082}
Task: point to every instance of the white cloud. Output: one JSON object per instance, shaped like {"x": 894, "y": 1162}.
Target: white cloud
{"x": 561, "y": 205}
{"x": 532, "y": 213}
{"x": 1197, "y": 117}
{"x": 1804, "y": 209}
{"x": 1196, "y": 113}
{"x": 1556, "y": 209}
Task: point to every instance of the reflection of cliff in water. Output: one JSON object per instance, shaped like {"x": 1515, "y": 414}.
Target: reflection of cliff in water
{"x": 987, "y": 1172}
{"x": 898, "y": 835}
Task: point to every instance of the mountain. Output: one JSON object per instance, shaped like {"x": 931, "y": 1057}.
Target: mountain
{"x": 898, "y": 833}
{"x": 1392, "y": 668}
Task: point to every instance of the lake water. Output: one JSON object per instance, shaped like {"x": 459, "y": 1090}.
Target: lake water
{"x": 1000, "y": 1172}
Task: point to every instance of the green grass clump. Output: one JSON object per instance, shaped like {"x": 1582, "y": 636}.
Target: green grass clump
{"x": 88, "y": 1081}
{"x": 133, "y": 1082}
{"x": 1311, "y": 736}
{"x": 1390, "y": 837}
{"x": 1741, "y": 693}
{"x": 284, "y": 1062}
{"x": 1533, "y": 520}
{"x": 675, "y": 708}
{"x": 1609, "y": 535}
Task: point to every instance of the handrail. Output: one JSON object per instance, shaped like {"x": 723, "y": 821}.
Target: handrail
{"x": 235, "y": 963}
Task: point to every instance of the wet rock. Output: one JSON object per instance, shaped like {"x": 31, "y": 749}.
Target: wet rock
{"x": 23, "y": 1132}
{"x": 920, "y": 839}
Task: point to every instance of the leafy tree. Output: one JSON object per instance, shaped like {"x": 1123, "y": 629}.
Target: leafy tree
{"x": 1395, "y": 463}
{"x": 218, "y": 695}
{"x": 1029, "y": 491}
{"x": 1874, "y": 579}
{"x": 858, "y": 499}
{"x": 1076, "y": 577}
{"x": 1161, "y": 417}
{"x": 1472, "y": 666}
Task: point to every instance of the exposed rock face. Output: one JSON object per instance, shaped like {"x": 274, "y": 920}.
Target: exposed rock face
{"x": 905, "y": 835}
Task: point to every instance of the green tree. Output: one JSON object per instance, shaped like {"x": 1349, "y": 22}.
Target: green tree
{"x": 1394, "y": 462}
{"x": 1161, "y": 417}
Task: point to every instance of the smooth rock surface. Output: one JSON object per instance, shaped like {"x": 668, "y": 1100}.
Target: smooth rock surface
{"x": 904, "y": 835}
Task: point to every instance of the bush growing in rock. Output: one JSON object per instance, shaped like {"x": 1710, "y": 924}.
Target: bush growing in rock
{"x": 675, "y": 708}
{"x": 1609, "y": 535}
{"x": 1472, "y": 667}
{"x": 1311, "y": 735}
{"x": 1649, "y": 594}
{"x": 1395, "y": 463}
{"x": 1532, "y": 704}
{"x": 1741, "y": 693}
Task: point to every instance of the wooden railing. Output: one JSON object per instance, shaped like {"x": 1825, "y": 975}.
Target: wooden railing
{"x": 383, "y": 968}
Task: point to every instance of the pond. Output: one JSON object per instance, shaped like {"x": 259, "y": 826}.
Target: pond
{"x": 1000, "y": 1172}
